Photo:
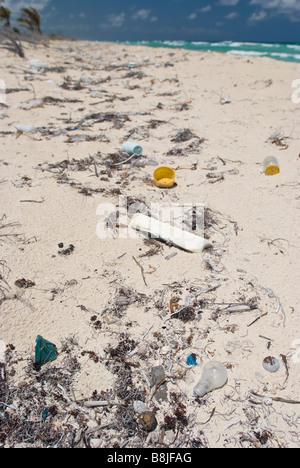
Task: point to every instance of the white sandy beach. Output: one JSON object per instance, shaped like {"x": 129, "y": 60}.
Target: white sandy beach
{"x": 96, "y": 297}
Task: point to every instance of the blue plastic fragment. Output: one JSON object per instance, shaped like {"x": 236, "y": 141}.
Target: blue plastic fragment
{"x": 45, "y": 414}
{"x": 191, "y": 360}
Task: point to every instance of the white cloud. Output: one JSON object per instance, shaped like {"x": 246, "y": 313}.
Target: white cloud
{"x": 16, "y": 5}
{"x": 116, "y": 20}
{"x": 142, "y": 14}
{"x": 257, "y": 16}
{"x": 205, "y": 9}
{"x": 232, "y": 15}
{"x": 194, "y": 15}
{"x": 229, "y": 2}
{"x": 287, "y": 8}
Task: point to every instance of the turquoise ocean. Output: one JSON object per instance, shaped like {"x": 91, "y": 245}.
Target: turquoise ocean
{"x": 277, "y": 51}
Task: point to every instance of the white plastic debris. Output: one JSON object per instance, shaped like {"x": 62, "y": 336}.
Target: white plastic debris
{"x": 168, "y": 233}
{"x": 3, "y": 114}
{"x": 139, "y": 406}
{"x": 2, "y": 352}
{"x": 25, "y": 128}
{"x": 77, "y": 138}
{"x": 97, "y": 93}
{"x": 31, "y": 104}
{"x": 225, "y": 100}
{"x": 36, "y": 63}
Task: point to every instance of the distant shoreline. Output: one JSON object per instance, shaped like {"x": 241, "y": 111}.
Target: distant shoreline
{"x": 288, "y": 52}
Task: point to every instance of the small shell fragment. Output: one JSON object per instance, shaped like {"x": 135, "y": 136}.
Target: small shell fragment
{"x": 148, "y": 421}
{"x": 50, "y": 296}
{"x": 271, "y": 364}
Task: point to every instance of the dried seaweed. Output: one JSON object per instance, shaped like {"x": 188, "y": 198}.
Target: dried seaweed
{"x": 278, "y": 139}
{"x": 187, "y": 314}
{"x": 54, "y": 100}
{"x": 24, "y": 284}
{"x": 118, "y": 119}
{"x": 71, "y": 85}
{"x": 182, "y": 135}
{"x": 30, "y": 412}
{"x": 138, "y": 74}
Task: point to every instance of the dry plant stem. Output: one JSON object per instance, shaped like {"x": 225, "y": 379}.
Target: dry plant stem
{"x": 96, "y": 404}
{"x": 32, "y": 201}
{"x": 279, "y": 399}
{"x": 72, "y": 402}
{"x": 226, "y": 238}
{"x": 146, "y": 378}
{"x": 142, "y": 270}
{"x": 278, "y": 303}
{"x": 149, "y": 329}
{"x": 93, "y": 430}
{"x": 256, "y": 320}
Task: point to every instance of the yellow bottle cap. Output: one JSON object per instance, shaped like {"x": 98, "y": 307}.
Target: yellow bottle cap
{"x": 164, "y": 177}
{"x": 272, "y": 169}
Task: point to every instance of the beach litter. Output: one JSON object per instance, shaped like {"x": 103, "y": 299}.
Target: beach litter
{"x": 214, "y": 376}
{"x": 32, "y": 104}
{"x": 192, "y": 360}
{"x": 36, "y": 63}
{"x": 26, "y": 128}
{"x": 271, "y": 166}
{"x": 168, "y": 233}
{"x": 129, "y": 379}
{"x": 132, "y": 148}
{"x": 44, "y": 351}
{"x": 164, "y": 177}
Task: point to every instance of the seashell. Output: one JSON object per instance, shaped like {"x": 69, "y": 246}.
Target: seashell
{"x": 50, "y": 296}
{"x": 148, "y": 421}
{"x": 165, "y": 350}
{"x": 271, "y": 364}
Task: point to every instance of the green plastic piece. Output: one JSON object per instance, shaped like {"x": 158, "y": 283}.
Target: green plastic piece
{"x": 44, "y": 351}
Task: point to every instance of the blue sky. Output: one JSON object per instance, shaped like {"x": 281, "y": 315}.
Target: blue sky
{"x": 194, "y": 20}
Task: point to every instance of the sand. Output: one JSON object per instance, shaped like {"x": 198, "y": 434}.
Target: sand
{"x": 106, "y": 291}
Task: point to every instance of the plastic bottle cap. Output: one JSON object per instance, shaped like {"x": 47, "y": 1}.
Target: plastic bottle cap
{"x": 164, "y": 177}
{"x": 272, "y": 169}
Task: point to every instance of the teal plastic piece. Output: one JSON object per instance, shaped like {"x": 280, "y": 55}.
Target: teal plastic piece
{"x": 44, "y": 351}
